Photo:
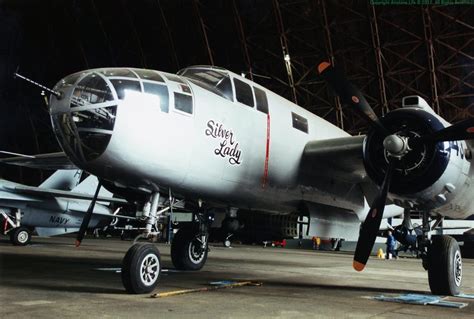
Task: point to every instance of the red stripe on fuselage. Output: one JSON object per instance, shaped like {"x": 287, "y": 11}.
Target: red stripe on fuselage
{"x": 267, "y": 153}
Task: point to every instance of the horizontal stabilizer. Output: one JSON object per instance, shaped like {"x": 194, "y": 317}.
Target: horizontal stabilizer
{"x": 35, "y": 191}
{"x": 51, "y": 161}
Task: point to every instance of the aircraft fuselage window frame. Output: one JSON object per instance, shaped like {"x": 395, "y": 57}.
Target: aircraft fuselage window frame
{"x": 299, "y": 122}
{"x": 261, "y": 99}
{"x": 118, "y": 72}
{"x": 149, "y": 75}
{"x": 174, "y": 78}
{"x": 183, "y": 103}
{"x": 159, "y": 90}
{"x": 244, "y": 93}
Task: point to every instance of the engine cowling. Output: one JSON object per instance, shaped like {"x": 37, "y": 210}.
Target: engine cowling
{"x": 426, "y": 175}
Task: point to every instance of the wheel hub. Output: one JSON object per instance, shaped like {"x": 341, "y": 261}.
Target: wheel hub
{"x": 22, "y": 236}
{"x": 149, "y": 269}
{"x": 457, "y": 268}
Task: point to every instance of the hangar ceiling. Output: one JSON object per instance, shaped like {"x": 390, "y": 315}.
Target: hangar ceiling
{"x": 387, "y": 51}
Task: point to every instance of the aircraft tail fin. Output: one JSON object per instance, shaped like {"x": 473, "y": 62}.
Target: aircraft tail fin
{"x": 62, "y": 180}
{"x": 89, "y": 185}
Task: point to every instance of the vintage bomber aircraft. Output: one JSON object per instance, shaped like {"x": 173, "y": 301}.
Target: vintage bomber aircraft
{"x": 55, "y": 207}
{"x": 217, "y": 139}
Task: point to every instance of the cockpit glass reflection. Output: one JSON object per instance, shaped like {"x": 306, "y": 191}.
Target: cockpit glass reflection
{"x": 122, "y": 85}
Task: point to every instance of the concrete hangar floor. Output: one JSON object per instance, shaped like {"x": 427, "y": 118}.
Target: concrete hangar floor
{"x": 53, "y": 279}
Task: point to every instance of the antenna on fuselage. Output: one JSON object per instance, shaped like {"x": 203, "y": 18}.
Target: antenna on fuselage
{"x": 55, "y": 93}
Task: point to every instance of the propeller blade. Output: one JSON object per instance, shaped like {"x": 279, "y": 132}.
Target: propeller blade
{"x": 463, "y": 130}
{"x": 87, "y": 217}
{"x": 371, "y": 225}
{"x": 350, "y": 95}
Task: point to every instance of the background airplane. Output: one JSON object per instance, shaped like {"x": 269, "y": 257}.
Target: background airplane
{"x": 223, "y": 142}
{"x": 55, "y": 207}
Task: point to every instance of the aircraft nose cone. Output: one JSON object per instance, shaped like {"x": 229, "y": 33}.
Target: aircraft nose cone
{"x": 84, "y": 116}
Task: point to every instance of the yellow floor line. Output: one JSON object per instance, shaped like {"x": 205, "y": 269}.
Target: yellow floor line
{"x": 188, "y": 291}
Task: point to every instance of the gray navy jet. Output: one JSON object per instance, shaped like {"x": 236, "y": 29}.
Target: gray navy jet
{"x": 55, "y": 207}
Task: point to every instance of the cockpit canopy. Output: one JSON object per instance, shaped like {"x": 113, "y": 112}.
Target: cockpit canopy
{"x": 214, "y": 79}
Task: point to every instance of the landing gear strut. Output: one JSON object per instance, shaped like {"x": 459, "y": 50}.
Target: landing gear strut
{"x": 440, "y": 254}
{"x": 141, "y": 266}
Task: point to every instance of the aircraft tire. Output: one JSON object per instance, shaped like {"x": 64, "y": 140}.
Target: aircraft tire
{"x": 186, "y": 251}
{"x": 20, "y": 236}
{"x": 227, "y": 243}
{"x": 444, "y": 266}
{"x": 141, "y": 268}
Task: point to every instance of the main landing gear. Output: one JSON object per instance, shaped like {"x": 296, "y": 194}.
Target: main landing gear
{"x": 440, "y": 254}
{"x": 19, "y": 235}
{"x": 141, "y": 266}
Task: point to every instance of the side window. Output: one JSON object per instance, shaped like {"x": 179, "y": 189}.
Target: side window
{"x": 299, "y": 122}
{"x": 243, "y": 92}
{"x": 262, "y": 103}
{"x": 183, "y": 102}
{"x": 159, "y": 90}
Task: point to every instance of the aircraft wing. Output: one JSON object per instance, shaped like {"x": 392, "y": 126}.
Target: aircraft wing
{"x": 340, "y": 158}
{"x": 41, "y": 192}
{"x": 53, "y": 161}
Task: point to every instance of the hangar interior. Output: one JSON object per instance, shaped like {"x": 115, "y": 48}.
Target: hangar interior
{"x": 389, "y": 51}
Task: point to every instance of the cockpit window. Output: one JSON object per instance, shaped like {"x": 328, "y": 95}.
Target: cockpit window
{"x": 122, "y": 85}
{"x": 91, "y": 90}
{"x": 262, "y": 102}
{"x": 243, "y": 92}
{"x": 149, "y": 75}
{"x": 215, "y": 81}
{"x": 118, "y": 72}
{"x": 159, "y": 90}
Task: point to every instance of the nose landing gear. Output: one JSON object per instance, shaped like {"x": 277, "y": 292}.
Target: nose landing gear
{"x": 141, "y": 266}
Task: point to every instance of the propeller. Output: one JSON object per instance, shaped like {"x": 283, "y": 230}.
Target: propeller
{"x": 87, "y": 217}
{"x": 463, "y": 130}
{"x": 396, "y": 146}
{"x": 350, "y": 95}
{"x": 371, "y": 225}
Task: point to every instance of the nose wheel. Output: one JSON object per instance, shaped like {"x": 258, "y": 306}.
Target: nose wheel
{"x": 141, "y": 268}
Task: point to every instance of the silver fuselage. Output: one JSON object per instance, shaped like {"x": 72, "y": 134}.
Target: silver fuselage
{"x": 224, "y": 151}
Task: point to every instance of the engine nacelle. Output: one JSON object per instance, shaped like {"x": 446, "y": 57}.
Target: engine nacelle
{"x": 428, "y": 176}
